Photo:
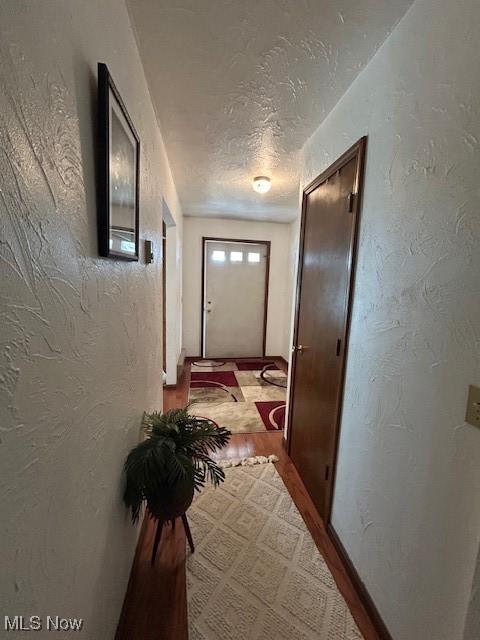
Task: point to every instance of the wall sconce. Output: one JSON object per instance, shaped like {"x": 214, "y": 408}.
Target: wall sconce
{"x": 148, "y": 252}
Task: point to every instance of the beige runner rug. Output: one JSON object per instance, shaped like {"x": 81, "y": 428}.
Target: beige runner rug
{"x": 256, "y": 573}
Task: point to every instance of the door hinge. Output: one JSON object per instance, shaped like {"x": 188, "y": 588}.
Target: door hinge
{"x": 351, "y": 200}
{"x": 327, "y": 472}
{"x": 339, "y": 346}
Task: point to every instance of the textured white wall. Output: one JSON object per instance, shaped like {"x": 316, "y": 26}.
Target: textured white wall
{"x": 279, "y": 291}
{"x": 80, "y": 355}
{"x": 407, "y": 502}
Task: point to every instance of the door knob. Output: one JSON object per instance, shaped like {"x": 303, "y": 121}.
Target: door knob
{"x": 301, "y": 348}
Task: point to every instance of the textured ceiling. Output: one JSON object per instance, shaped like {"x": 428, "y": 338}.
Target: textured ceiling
{"x": 239, "y": 85}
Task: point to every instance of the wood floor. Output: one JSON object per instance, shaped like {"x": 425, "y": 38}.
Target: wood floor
{"x": 155, "y": 606}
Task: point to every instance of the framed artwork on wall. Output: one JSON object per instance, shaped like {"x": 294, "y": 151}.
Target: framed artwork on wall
{"x": 119, "y": 173}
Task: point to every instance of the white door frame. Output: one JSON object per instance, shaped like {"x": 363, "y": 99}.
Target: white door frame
{"x": 173, "y": 295}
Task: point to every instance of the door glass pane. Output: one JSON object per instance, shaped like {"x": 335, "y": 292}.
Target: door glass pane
{"x": 218, "y": 256}
{"x": 253, "y": 256}
{"x": 236, "y": 256}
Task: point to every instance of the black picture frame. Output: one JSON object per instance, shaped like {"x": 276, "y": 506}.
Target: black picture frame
{"x": 119, "y": 166}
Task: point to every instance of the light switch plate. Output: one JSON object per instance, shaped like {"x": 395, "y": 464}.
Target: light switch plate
{"x": 473, "y": 406}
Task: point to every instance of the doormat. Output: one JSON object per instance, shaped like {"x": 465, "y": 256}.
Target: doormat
{"x": 243, "y": 396}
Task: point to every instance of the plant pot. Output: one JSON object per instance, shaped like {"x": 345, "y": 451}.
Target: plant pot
{"x": 172, "y": 501}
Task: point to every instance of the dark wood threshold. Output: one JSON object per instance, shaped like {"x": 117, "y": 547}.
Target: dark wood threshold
{"x": 359, "y": 585}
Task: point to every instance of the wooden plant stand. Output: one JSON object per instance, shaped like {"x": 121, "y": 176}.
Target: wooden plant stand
{"x": 158, "y": 535}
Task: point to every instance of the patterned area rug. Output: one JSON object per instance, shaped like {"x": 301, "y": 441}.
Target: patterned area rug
{"x": 242, "y": 395}
{"x": 256, "y": 573}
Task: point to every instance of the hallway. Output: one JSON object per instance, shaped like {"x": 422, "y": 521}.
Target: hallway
{"x": 292, "y": 185}
{"x": 155, "y": 606}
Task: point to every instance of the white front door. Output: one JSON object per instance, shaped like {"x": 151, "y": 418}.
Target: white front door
{"x": 234, "y": 299}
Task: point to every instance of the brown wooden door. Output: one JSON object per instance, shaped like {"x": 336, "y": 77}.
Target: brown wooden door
{"x": 329, "y": 223}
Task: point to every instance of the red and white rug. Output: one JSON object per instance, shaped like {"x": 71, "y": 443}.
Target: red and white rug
{"x": 244, "y": 396}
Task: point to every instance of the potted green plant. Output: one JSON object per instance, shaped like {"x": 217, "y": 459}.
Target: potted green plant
{"x": 164, "y": 470}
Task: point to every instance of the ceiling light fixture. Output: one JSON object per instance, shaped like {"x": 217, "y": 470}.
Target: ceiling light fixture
{"x": 262, "y": 184}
